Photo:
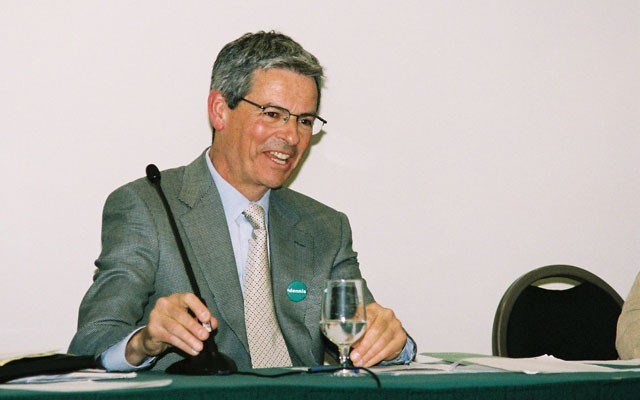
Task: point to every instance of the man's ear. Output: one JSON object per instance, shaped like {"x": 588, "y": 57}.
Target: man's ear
{"x": 217, "y": 108}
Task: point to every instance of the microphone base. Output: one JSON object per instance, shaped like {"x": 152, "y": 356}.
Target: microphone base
{"x": 205, "y": 363}
{"x": 209, "y": 362}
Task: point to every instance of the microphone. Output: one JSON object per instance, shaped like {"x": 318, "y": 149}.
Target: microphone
{"x": 209, "y": 361}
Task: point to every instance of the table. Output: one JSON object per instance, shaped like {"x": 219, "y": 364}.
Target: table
{"x": 449, "y": 386}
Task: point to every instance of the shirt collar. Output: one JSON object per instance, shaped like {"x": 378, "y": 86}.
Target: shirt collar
{"x": 233, "y": 202}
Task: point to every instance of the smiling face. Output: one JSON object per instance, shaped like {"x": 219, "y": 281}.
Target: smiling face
{"x": 247, "y": 152}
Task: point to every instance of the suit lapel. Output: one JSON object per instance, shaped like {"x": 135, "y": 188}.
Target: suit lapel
{"x": 291, "y": 249}
{"x": 291, "y": 260}
{"x": 205, "y": 227}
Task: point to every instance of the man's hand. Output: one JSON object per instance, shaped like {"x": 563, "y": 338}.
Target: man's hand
{"x": 383, "y": 339}
{"x": 171, "y": 324}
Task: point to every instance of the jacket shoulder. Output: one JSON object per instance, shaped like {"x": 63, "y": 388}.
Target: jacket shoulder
{"x": 301, "y": 203}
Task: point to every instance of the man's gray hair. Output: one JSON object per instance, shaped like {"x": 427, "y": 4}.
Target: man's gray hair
{"x": 233, "y": 69}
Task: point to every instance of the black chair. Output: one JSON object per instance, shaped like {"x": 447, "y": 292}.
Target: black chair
{"x": 578, "y": 323}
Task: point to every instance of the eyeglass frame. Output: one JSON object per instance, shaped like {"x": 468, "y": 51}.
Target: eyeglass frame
{"x": 286, "y": 119}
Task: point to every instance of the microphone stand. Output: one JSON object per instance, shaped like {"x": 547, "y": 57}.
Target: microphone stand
{"x": 209, "y": 361}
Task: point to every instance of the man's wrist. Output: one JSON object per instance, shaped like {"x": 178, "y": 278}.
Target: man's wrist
{"x": 407, "y": 354}
{"x": 134, "y": 352}
{"x": 114, "y": 358}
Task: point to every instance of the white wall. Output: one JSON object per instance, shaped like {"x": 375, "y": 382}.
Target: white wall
{"x": 468, "y": 141}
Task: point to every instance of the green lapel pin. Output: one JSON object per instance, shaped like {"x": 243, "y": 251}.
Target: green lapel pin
{"x": 297, "y": 291}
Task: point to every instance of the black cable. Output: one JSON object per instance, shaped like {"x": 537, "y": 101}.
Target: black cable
{"x": 373, "y": 375}
{"x": 259, "y": 375}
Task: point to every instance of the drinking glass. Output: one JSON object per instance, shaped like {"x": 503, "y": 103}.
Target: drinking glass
{"x": 343, "y": 318}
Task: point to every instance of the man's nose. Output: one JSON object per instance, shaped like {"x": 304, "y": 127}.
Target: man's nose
{"x": 290, "y": 131}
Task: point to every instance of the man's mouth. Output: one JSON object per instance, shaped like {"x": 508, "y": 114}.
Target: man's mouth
{"x": 279, "y": 158}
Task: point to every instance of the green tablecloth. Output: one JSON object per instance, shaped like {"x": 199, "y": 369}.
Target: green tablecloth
{"x": 450, "y": 386}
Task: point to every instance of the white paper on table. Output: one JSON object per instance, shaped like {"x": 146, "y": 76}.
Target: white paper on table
{"x": 432, "y": 368}
{"x": 87, "y": 386}
{"x": 82, "y": 375}
{"x": 411, "y": 369}
{"x": 541, "y": 364}
{"x": 426, "y": 359}
{"x": 623, "y": 363}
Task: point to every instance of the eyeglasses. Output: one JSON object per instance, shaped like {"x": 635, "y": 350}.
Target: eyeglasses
{"x": 278, "y": 116}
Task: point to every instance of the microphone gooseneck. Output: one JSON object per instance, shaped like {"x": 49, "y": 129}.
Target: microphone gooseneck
{"x": 153, "y": 174}
{"x": 209, "y": 361}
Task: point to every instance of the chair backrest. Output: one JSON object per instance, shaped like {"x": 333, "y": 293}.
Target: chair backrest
{"x": 578, "y": 323}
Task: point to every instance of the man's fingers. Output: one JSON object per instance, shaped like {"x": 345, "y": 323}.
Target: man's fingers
{"x": 169, "y": 332}
{"x": 384, "y": 337}
{"x": 378, "y": 347}
{"x": 187, "y": 325}
{"x": 191, "y": 302}
{"x": 172, "y": 322}
{"x": 185, "y": 335}
{"x": 387, "y": 347}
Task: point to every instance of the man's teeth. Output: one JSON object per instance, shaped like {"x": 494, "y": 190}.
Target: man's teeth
{"x": 280, "y": 158}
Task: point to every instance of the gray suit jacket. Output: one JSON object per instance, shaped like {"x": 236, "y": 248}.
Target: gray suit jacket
{"x": 140, "y": 262}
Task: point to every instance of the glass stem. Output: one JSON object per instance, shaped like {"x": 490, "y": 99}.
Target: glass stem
{"x": 344, "y": 355}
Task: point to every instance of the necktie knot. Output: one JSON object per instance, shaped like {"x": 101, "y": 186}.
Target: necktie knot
{"x": 255, "y": 215}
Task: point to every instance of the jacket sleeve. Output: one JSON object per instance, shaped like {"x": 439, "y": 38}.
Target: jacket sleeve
{"x": 124, "y": 279}
{"x": 346, "y": 264}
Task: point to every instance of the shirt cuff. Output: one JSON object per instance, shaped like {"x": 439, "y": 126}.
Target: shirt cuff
{"x": 114, "y": 359}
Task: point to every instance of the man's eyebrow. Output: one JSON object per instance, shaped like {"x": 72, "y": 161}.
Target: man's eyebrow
{"x": 307, "y": 113}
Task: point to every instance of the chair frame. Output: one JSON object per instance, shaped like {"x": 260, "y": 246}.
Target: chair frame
{"x": 503, "y": 312}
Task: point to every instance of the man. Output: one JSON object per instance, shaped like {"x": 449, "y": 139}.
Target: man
{"x": 628, "y": 333}
{"x": 139, "y": 312}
